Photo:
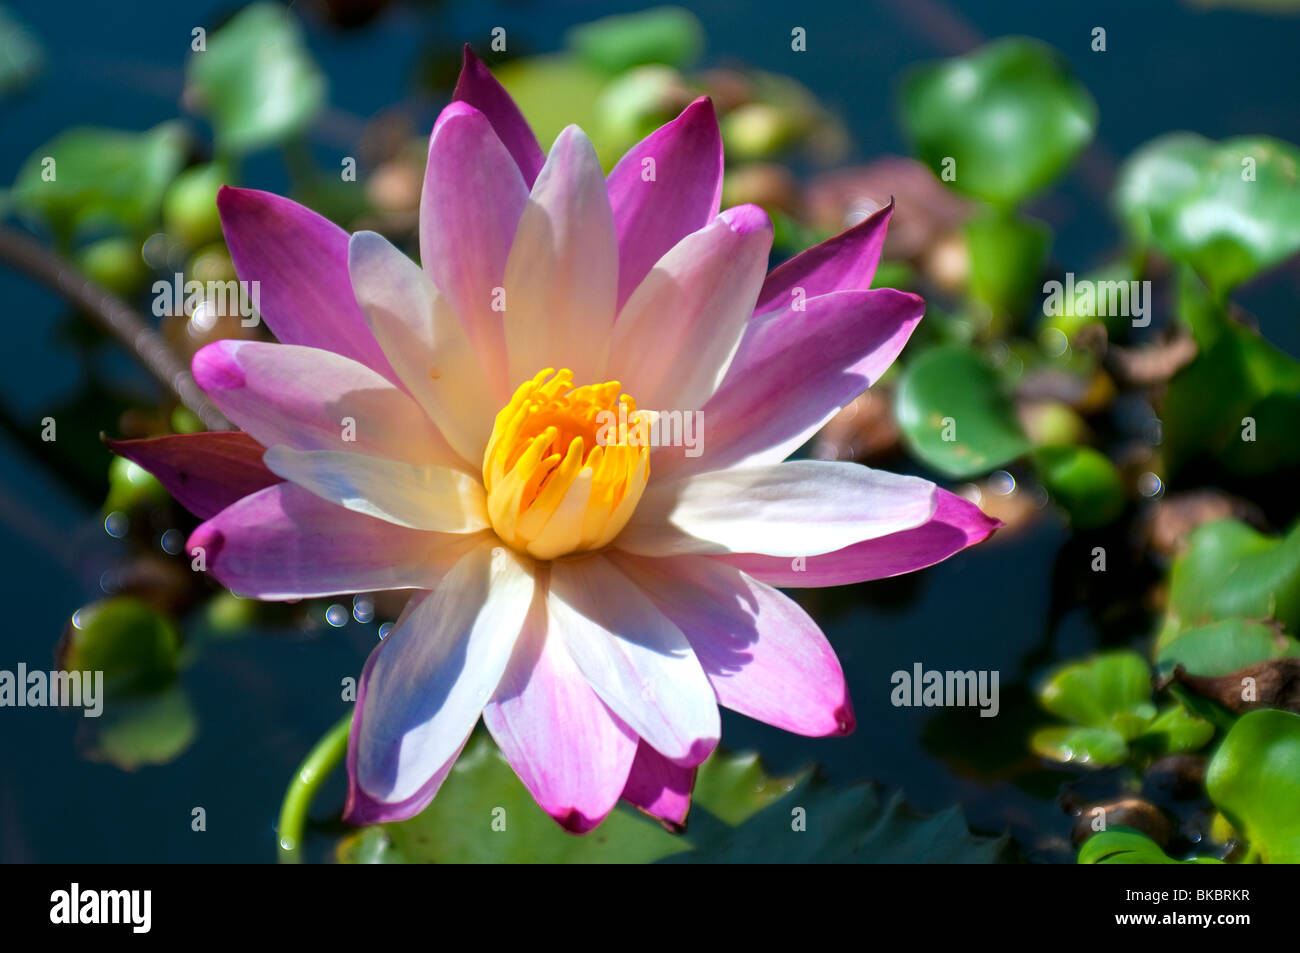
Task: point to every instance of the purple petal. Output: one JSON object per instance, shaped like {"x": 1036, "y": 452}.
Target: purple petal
{"x": 651, "y": 217}
{"x": 846, "y": 262}
{"x": 764, "y": 655}
{"x": 478, "y": 87}
{"x": 570, "y": 751}
{"x": 300, "y": 263}
{"x": 956, "y": 524}
{"x": 283, "y": 542}
{"x": 793, "y": 371}
{"x": 204, "y": 472}
{"x": 660, "y": 788}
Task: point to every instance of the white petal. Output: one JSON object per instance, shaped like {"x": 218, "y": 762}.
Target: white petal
{"x": 638, "y": 662}
{"x": 798, "y": 508}
{"x": 433, "y": 674}
{"x": 421, "y": 497}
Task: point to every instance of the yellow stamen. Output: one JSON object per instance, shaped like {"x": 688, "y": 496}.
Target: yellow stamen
{"x": 559, "y": 480}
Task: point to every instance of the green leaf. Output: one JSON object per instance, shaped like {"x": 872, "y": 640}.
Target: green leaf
{"x": 151, "y": 729}
{"x": 1124, "y": 845}
{"x": 133, "y": 644}
{"x": 668, "y": 35}
{"x": 1221, "y": 648}
{"x": 1007, "y": 255}
{"x": 87, "y": 177}
{"x": 1110, "y": 694}
{"x": 256, "y": 82}
{"x": 739, "y": 813}
{"x": 555, "y": 91}
{"x": 951, "y": 392}
{"x": 1177, "y": 730}
{"x": 190, "y": 205}
{"x": 1010, "y": 115}
{"x": 1096, "y": 746}
{"x": 1238, "y": 401}
{"x": 1084, "y": 482}
{"x": 1230, "y": 209}
{"x": 1229, "y": 571}
{"x": 1254, "y": 779}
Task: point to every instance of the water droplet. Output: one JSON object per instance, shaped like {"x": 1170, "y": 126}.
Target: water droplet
{"x": 116, "y": 524}
{"x": 171, "y": 541}
{"x": 363, "y": 610}
{"x": 336, "y": 615}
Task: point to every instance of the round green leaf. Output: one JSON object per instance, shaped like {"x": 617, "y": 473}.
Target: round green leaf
{"x": 1177, "y": 730}
{"x": 1124, "y": 845}
{"x": 88, "y": 177}
{"x": 1254, "y": 779}
{"x": 1112, "y": 690}
{"x": 1094, "y": 746}
{"x": 152, "y": 729}
{"x": 1084, "y": 482}
{"x": 256, "y": 81}
{"x": 133, "y": 644}
{"x": 954, "y": 415}
{"x": 1225, "y": 647}
{"x": 1229, "y": 209}
{"x": 668, "y": 35}
{"x": 1011, "y": 117}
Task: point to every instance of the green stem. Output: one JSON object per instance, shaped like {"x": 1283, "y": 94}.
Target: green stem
{"x": 320, "y": 761}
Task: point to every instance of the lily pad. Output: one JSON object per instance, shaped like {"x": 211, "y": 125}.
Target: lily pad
{"x": 1230, "y": 209}
{"x": 256, "y": 81}
{"x": 1124, "y": 845}
{"x": 739, "y": 813}
{"x": 1084, "y": 482}
{"x": 954, "y": 414}
{"x": 1254, "y": 779}
{"x": 153, "y": 729}
{"x": 1010, "y": 116}
{"x": 87, "y": 177}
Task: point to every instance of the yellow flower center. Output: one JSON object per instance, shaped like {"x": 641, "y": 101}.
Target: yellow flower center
{"x": 560, "y": 473}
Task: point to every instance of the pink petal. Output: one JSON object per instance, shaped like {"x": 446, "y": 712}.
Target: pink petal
{"x": 469, "y": 211}
{"x": 793, "y": 371}
{"x": 300, "y": 263}
{"x": 283, "y": 542}
{"x": 651, "y": 217}
{"x": 845, "y": 262}
{"x": 478, "y": 87}
{"x": 764, "y": 655}
{"x": 660, "y": 788}
{"x": 956, "y": 524}
{"x": 205, "y": 472}
{"x": 677, "y": 333}
{"x": 562, "y": 273}
{"x": 311, "y": 399}
{"x": 570, "y": 751}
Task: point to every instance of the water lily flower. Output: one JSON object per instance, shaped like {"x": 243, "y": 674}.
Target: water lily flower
{"x": 437, "y": 428}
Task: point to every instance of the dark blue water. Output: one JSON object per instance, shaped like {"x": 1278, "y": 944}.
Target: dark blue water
{"x": 262, "y": 701}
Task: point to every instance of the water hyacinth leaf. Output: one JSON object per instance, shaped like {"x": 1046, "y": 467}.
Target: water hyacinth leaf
{"x": 1231, "y": 570}
{"x": 190, "y": 205}
{"x": 1177, "y": 730}
{"x": 1229, "y": 209}
{"x": 1007, "y": 255}
{"x": 1254, "y": 779}
{"x": 1084, "y": 482}
{"x": 1004, "y": 121}
{"x": 1224, "y": 647}
{"x": 1124, "y": 845}
{"x": 739, "y": 812}
{"x": 256, "y": 81}
{"x": 148, "y": 729}
{"x": 1238, "y": 402}
{"x": 133, "y": 644}
{"x": 954, "y": 414}
{"x": 553, "y": 92}
{"x": 1098, "y": 746}
{"x": 99, "y": 178}
{"x": 669, "y": 35}
{"x": 1109, "y": 694}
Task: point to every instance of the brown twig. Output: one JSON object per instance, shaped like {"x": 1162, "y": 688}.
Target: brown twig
{"x": 113, "y": 315}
